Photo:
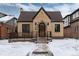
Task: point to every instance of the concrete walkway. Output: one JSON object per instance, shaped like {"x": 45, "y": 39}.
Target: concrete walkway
{"x": 41, "y": 50}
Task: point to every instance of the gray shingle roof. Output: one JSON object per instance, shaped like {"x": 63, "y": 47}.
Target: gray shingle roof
{"x": 26, "y": 16}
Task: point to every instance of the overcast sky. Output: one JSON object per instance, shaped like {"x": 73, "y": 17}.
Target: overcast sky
{"x": 14, "y": 9}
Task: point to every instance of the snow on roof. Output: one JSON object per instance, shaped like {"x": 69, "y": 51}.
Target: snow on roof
{"x": 6, "y": 18}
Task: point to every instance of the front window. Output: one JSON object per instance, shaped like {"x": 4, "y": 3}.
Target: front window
{"x": 57, "y": 27}
{"x": 25, "y": 28}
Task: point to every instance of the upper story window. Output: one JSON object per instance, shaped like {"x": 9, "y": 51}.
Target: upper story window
{"x": 75, "y": 15}
{"x": 67, "y": 21}
{"x": 76, "y": 29}
{"x": 57, "y": 27}
{"x": 69, "y": 18}
{"x": 25, "y": 28}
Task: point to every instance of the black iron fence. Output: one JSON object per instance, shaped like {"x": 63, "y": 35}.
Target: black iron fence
{"x": 33, "y": 34}
{"x": 13, "y": 36}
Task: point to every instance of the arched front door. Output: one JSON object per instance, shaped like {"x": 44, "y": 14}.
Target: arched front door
{"x": 42, "y": 29}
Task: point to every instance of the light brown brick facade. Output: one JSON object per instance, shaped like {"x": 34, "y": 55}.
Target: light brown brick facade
{"x": 40, "y": 17}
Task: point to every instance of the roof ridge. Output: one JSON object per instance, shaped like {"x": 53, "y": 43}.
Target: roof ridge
{"x": 37, "y": 11}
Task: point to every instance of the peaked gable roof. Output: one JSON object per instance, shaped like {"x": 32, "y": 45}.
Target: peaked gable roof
{"x": 39, "y": 11}
{"x": 26, "y": 16}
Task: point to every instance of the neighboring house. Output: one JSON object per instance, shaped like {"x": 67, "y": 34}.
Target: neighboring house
{"x": 66, "y": 20}
{"x": 3, "y": 31}
{"x": 41, "y": 24}
{"x": 12, "y": 22}
{"x": 67, "y": 30}
{"x": 7, "y": 25}
{"x": 72, "y": 30}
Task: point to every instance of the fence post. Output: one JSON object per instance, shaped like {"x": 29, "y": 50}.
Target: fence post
{"x": 9, "y": 39}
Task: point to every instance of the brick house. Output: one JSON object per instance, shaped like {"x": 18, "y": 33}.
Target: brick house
{"x": 40, "y": 23}
{"x": 7, "y": 27}
{"x": 72, "y": 29}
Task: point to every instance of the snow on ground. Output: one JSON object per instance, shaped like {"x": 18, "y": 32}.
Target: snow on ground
{"x": 66, "y": 47}
{"x": 59, "y": 47}
{"x": 15, "y": 49}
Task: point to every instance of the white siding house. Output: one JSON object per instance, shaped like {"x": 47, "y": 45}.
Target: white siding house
{"x": 66, "y": 20}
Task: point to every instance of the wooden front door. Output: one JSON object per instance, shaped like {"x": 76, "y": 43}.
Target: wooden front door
{"x": 42, "y": 30}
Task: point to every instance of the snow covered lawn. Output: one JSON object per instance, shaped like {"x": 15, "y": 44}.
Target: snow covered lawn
{"x": 59, "y": 47}
{"x": 15, "y": 49}
{"x": 66, "y": 47}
